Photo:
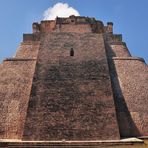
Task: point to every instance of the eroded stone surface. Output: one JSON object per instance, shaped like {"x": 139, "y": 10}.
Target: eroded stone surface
{"x": 47, "y": 94}
{"x": 71, "y": 96}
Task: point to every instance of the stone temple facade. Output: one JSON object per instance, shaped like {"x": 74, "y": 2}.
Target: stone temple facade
{"x": 73, "y": 79}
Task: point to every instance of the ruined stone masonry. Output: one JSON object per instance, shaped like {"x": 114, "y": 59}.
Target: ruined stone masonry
{"x": 73, "y": 79}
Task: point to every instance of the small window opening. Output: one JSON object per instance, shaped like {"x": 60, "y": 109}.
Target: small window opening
{"x": 72, "y": 21}
{"x": 71, "y": 52}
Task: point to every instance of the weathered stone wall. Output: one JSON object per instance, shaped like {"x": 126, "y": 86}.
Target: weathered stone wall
{"x": 16, "y": 75}
{"x": 47, "y": 26}
{"x": 28, "y": 50}
{"x": 129, "y": 77}
{"x": 48, "y": 94}
{"x": 15, "y": 85}
{"x": 82, "y": 28}
{"x": 31, "y": 38}
{"x": 71, "y": 24}
{"x": 131, "y": 96}
{"x": 71, "y": 96}
{"x": 118, "y": 50}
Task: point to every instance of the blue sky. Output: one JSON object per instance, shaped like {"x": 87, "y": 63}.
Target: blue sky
{"x": 130, "y": 18}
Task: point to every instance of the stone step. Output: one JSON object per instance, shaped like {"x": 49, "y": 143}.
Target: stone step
{"x": 68, "y": 144}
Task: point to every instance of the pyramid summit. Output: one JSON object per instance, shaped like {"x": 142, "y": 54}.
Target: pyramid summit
{"x": 73, "y": 79}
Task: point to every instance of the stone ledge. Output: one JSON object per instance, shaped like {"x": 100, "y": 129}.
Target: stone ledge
{"x": 129, "y": 58}
{"x": 117, "y": 43}
{"x": 69, "y": 144}
{"x": 30, "y": 43}
{"x": 143, "y": 137}
{"x": 18, "y": 59}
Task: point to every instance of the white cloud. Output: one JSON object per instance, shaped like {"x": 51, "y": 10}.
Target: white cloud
{"x": 60, "y": 10}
